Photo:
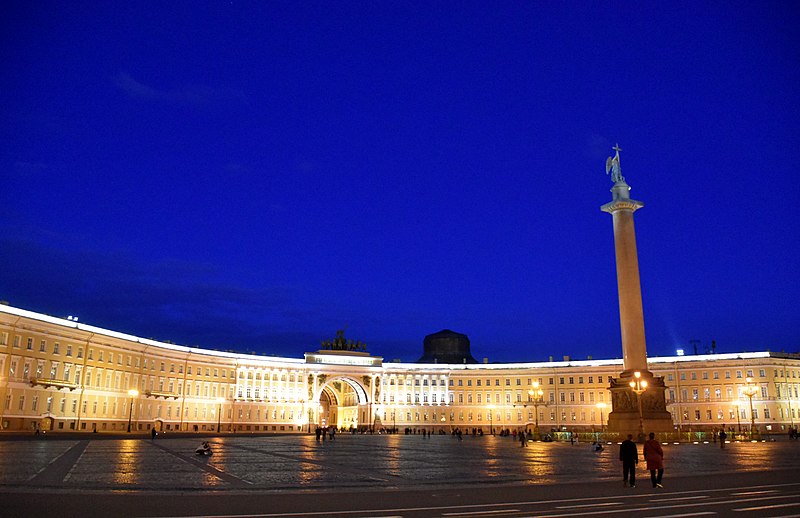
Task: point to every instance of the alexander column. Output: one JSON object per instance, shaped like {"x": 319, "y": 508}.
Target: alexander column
{"x": 637, "y": 397}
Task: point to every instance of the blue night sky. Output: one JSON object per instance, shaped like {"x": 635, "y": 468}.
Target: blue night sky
{"x": 256, "y": 175}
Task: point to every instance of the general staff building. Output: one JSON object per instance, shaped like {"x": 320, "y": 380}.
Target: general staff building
{"x": 60, "y": 375}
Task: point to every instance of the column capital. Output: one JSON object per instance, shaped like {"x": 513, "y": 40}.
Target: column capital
{"x": 622, "y": 204}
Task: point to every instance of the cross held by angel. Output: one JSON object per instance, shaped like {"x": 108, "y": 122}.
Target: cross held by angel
{"x": 612, "y": 166}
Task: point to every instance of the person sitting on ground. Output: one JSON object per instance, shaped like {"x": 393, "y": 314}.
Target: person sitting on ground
{"x": 204, "y": 449}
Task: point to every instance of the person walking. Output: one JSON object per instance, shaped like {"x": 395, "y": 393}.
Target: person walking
{"x": 722, "y": 437}
{"x": 629, "y": 455}
{"x": 654, "y": 456}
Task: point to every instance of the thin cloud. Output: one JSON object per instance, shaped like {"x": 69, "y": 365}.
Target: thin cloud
{"x": 174, "y": 301}
{"x": 191, "y": 94}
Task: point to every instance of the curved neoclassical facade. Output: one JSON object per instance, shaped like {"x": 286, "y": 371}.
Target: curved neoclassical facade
{"x": 61, "y": 375}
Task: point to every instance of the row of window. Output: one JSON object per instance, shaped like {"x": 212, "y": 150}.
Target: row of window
{"x": 715, "y": 374}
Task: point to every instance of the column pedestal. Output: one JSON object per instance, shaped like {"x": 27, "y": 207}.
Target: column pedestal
{"x": 624, "y": 416}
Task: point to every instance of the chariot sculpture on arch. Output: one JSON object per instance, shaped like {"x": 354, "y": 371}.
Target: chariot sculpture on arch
{"x": 613, "y": 167}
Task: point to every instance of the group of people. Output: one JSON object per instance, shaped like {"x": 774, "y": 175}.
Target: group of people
{"x": 322, "y": 432}
{"x": 653, "y": 455}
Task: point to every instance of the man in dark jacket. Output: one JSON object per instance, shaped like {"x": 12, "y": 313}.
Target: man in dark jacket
{"x": 629, "y": 455}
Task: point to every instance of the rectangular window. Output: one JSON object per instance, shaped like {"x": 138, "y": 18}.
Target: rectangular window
{"x": 55, "y": 348}
{"x": 69, "y": 350}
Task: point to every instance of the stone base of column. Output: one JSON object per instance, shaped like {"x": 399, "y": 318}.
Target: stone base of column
{"x": 624, "y": 416}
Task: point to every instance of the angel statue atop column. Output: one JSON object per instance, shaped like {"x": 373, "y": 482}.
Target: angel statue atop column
{"x": 612, "y": 166}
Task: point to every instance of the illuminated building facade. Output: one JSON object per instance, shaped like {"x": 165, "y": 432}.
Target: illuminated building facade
{"x": 61, "y": 375}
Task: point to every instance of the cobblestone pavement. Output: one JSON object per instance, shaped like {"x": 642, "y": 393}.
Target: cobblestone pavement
{"x": 363, "y": 461}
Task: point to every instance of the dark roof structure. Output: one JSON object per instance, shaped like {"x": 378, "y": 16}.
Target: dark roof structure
{"x": 446, "y": 347}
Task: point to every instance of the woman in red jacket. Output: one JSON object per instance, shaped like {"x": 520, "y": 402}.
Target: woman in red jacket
{"x": 654, "y": 456}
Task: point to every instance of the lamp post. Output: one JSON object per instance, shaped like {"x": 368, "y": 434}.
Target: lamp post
{"x": 738, "y": 420}
{"x": 638, "y": 385}
{"x": 491, "y": 422}
{"x": 750, "y": 390}
{"x": 602, "y": 407}
{"x": 132, "y": 393}
{"x": 219, "y": 413}
{"x": 536, "y": 397}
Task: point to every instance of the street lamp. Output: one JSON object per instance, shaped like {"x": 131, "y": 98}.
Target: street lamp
{"x": 601, "y": 406}
{"x": 219, "y": 413}
{"x": 638, "y": 385}
{"x": 491, "y": 423}
{"x": 750, "y": 390}
{"x": 132, "y": 393}
{"x": 536, "y": 397}
{"x": 738, "y": 420}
